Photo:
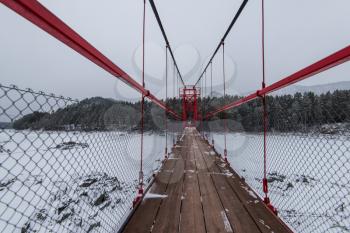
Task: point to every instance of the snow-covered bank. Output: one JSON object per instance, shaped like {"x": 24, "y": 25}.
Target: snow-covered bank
{"x": 71, "y": 181}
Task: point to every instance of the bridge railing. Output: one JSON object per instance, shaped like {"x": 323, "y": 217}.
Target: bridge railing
{"x": 307, "y": 155}
{"x": 64, "y": 177}
{"x": 293, "y": 148}
{"x": 308, "y": 148}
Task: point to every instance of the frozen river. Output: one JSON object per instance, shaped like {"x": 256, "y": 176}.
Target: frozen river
{"x": 85, "y": 182}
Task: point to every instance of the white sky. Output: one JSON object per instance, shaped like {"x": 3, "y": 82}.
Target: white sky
{"x": 298, "y": 33}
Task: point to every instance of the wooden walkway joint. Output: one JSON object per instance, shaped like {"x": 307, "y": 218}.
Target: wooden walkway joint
{"x": 195, "y": 191}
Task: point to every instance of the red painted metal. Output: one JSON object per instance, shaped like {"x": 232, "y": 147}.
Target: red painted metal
{"x": 166, "y": 99}
{"x": 47, "y": 21}
{"x": 328, "y": 62}
{"x": 224, "y": 80}
{"x": 140, "y": 188}
{"x": 190, "y": 95}
{"x": 265, "y": 183}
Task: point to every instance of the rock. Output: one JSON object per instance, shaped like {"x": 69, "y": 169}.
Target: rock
{"x": 79, "y": 202}
{"x": 305, "y": 180}
{"x": 64, "y": 215}
{"x": 83, "y": 194}
{"x": 34, "y": 180}
{"x": 4, "y": 184}
{"x": 92, "y": 226}
{"x": 88, "y": 182}
{"x": 340, "y": 208}
{"x": 100, "y": 198}
{"x": 41, "y": 215}
{"x": 3, "y": 149}
{"x": 63, "y": 205}
{"x": 93, "y": 214}
{"x": 275, "y": 177}
{"x": 78, "y": 221}
{"x": 106, "y": 204}
{"x": 25, "y": 227}
{"x": 116, "y": 202}
{"x": 289, "y": 186}
{"x": 70, "y": 145}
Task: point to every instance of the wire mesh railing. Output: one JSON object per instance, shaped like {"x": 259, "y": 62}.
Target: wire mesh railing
{"x": 308, "y": 156}
{"x": 64, "y": 173}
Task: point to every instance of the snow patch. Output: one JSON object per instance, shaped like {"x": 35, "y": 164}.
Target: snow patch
{"x": 226, "y": 222}
{"x": 251, "y": 193}
{"x": 154, "y": 196}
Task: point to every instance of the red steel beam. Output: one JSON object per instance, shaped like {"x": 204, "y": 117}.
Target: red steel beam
{"x": 332, "y": 60}
{"x": 47, "y": 21}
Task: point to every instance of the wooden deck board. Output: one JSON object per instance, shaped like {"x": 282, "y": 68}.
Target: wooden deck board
{"x": 166, "y": 220}
{"x": 201, "y": 197}
{"x": 144, "y": 216}
{"x": 214, "y": 212}
{"x": 192, "y": 219}
{"x": 235, "y": 211}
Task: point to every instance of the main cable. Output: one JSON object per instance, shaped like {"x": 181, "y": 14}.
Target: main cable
{"x": 244, "y": 3}
{"x": 224, "y": 113}
{"x": 156, "y": 14}
{"x": 166, "y": 102}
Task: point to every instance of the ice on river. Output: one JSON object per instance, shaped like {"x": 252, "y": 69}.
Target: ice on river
{"x": 71, "y": 181}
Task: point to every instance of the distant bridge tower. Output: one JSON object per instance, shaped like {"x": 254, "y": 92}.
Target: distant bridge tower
{"x": 190, "y": 95}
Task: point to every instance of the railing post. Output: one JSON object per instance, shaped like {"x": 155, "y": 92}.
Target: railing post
{"x": 166, "y": 103}
{"x": 265, "y": 181}
{"x": 139, "y": 195}
{"x": 263, "y": 97}
{"x": 166, "y": 152}
{"x": 224, "y": 79}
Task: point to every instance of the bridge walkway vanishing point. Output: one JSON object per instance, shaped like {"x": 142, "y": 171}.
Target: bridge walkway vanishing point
{"x": 196, "y": 191}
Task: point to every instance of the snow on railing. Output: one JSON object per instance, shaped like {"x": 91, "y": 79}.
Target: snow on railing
{"x": 61, "y": 172}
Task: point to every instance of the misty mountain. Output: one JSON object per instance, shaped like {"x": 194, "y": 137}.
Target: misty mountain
{"x": 316, "y": 89}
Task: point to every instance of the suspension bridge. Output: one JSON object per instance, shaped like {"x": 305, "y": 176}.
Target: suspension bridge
{"x": 197, "y": 188}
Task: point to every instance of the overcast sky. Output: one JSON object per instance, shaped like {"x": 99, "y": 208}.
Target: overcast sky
{"x": 298, "y": 33}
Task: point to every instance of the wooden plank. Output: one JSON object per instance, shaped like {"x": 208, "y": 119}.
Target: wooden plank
{"x": 238, "y": 216}
{"x": 262, "y": 216}
{"x": 143, "y": 218}
{"x": 168, "y": 217}
{"x": 200, "y": 197}
{"x": 214, "y": 214}
{"x": 192, "y": 218}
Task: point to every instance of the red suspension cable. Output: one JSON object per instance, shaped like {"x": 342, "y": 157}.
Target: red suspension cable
{"x": 211, "y": 79}
{"x": 140, "y": 188}
{"x": 265, "y": 187}
{"x": 205, "y": 84}
{"x": 143, "y": 96}
{"x": 224, "y": 79}
{"x": 177, "y": 85}
{"x": 174, "y": 74}
{"x": 166, "y": 99}
{"x": 265, "y": 183}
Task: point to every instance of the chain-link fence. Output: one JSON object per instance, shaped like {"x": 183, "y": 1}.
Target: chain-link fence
{"x": 308, "y": 156}
{"x": 61, "y": 171}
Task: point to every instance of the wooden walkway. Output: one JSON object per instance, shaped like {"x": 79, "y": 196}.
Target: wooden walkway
{"x": 195, "y": 191}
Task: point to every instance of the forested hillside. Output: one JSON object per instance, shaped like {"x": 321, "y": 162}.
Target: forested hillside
{"x": 299, "y": 112}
